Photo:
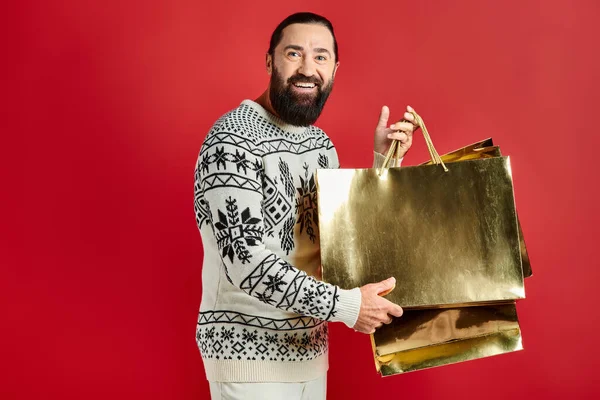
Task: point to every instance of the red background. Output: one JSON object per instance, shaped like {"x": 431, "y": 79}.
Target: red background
{"x": 107, "y": 103}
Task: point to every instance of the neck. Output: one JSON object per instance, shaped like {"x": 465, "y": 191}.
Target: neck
{"x": 265, "y": 101}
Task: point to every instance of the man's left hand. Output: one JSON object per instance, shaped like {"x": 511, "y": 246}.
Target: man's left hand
{"x": 401, "y": 131}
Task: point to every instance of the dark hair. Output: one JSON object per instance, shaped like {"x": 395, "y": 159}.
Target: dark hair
{"x": 301, "y": 18}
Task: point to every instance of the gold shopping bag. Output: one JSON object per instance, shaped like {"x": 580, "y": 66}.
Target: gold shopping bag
{"x": 448, "y": 234}
{"x": 486, "y": 149}
{"x": 433, "y": 338}
{"x": 423, "y": 339}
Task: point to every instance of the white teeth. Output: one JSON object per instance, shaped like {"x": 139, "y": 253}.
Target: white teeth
{"x": 304, "y": 85}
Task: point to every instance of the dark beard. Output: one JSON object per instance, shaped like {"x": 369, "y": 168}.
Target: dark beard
{"x": 295, "y": 109}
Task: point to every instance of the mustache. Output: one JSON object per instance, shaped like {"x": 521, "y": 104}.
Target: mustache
{"x": 307, "y": 79}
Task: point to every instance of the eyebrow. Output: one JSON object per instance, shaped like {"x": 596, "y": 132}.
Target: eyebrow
{"x": 300, "y": 48}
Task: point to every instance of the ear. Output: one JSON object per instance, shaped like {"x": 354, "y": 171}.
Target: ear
{"x": 269, "y": 63}
{"x": 337, "y": 64}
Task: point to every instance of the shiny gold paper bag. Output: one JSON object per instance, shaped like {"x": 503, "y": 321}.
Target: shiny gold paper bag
{"x": 452, "y": 237}
{"x": 479, "y": 150}
{"x": 432, "y": 338}
{"x": 448, "y": 234}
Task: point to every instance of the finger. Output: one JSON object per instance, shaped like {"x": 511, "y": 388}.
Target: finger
{"x": 401, "y": 136}
{"x": 386, "y": 285}
{"x": 406, "y": 143}
{"x": 403, "y": 126}
{"x": 389, "y": 320}
{"x": 383, "y": 117}
{"x": 394, "y": 309}
{"x": 410, "y": 117}
{"x": 410, "y": 109}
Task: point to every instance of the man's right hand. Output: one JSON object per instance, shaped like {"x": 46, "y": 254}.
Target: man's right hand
{"x": 374, "y": 309}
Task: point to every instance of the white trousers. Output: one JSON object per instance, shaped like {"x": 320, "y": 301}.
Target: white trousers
{"x": 310, "y": 390}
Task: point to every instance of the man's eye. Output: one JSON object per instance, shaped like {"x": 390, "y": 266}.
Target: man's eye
{"x": 321, "y": 58}
{"x": 293, "y": 54}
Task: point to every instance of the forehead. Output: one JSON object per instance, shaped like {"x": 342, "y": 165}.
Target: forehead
{"x": 308, "y": 36}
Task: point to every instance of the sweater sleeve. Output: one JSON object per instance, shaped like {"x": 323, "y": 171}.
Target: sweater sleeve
{"x": 378, "y": 160}
{"x": 229, "y": 178}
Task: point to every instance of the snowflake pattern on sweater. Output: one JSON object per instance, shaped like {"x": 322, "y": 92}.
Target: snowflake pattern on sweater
{"x": 256, "y": 208}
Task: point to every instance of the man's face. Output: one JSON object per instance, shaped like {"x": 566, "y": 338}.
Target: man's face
{"x": 302, "y": 69}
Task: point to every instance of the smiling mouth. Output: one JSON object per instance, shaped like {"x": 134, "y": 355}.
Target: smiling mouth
{"x": 304, "y": 85}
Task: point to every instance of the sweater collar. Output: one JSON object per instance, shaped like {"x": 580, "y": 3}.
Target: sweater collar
{"x": 274, "y": 119}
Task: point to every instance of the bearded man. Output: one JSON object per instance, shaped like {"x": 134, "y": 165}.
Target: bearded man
{"x": 262, "y": 326}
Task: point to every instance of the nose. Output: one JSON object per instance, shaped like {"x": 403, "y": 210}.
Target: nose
{"x": 307, "y": 67}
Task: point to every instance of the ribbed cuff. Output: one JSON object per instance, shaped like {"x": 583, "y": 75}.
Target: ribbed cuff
{"x": 265, "y": 371}
{"x": 348, "y": 306}
{"x": 378, "y": 160}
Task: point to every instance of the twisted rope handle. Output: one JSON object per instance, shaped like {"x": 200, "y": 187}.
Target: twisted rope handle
{"x": 393, "y": 150}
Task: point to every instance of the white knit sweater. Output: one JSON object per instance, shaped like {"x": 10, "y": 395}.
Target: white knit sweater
{"x": 264, "y": 309}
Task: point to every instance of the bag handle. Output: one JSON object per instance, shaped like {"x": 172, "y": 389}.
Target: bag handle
{"x": 435, "y": 157}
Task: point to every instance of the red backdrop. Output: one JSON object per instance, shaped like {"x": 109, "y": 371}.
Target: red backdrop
{"x": 107, "y": 103}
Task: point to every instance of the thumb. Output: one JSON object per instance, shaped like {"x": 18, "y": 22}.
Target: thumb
{"x": 385, "y": 287}
{"x": 383, "y": 117}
